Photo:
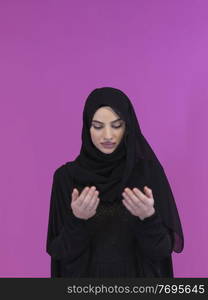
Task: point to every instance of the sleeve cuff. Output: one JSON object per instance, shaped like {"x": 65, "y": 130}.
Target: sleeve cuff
{"x": 152, "y": 225}
{"x": 74, "y": 222}
{"x": 151, "y": 218}
{"x": 77, "y": 219}
{"x": 150, "y": 222}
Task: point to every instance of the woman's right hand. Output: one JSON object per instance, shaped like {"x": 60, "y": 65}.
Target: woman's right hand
{"x": 84, "y": 205}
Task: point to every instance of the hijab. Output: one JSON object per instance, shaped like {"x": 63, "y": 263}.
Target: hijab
{"x": 111, "y": 172}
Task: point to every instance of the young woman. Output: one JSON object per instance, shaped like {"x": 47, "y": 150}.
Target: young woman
{"x": 112, "y": 212}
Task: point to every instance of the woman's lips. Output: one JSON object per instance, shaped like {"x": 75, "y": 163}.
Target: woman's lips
{"x": 108, "y": 145}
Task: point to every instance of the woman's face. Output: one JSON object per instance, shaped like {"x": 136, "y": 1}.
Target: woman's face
{"x": 106, "y": 126}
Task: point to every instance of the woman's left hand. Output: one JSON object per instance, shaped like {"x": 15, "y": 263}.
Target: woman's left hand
{"x": 138, "y": 203}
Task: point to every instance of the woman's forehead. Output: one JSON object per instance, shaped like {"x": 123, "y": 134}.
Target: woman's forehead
{"x": 105, "y": 111}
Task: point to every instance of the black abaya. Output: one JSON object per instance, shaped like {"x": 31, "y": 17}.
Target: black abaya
{"x": 113, "y": 243}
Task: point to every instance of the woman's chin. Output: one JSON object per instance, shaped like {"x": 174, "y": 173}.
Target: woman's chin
{"x": 107, "y": 151}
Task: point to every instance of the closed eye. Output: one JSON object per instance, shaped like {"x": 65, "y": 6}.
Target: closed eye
{"x": 100, "y": 127}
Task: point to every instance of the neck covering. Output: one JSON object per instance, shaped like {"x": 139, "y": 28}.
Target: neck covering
{"x": 110, "y": 172}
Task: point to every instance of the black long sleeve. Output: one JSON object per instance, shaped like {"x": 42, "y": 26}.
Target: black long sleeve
{"x": 105, "y": 245}
{"x": 154, "y": 238}
{"x": 67, "y": 235}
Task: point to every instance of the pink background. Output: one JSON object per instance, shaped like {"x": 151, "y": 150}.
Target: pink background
{"x": 52, "y": 55}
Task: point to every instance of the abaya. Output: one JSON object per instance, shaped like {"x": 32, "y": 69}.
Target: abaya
{"x": 113, "y": 243}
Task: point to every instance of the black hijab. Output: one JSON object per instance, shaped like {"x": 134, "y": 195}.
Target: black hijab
{"x": 111, "y": 173}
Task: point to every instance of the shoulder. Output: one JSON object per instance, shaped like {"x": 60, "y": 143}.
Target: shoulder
{"x": 62, "y": 170}
{"x": 152, "y": 169}
{"x": 62, "y": 178}
{"x": 149, "y": 164}
{"x": 155, "y": 165}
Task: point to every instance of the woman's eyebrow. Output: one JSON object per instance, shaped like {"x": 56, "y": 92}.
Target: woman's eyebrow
{"x": 103, "y": 123}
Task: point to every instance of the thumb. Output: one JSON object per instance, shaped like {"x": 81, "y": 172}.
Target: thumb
{"x": 75, "y": 194}
{"x": 148, "y": 191}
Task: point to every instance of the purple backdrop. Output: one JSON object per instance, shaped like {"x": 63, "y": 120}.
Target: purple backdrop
{"x": 52, "y": 54}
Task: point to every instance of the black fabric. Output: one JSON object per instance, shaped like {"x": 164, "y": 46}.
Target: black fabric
{"x": 72, "y": 242}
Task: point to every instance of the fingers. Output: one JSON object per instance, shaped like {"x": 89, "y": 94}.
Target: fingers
{"x": 148, "y": 192}
{"x": 82, "y": 195}
{"x": 93, "y": 203}
{"x": 145, "y": 198}
{"x": 132, "y": 200}
{"x": 92, "y": 193}
{"x": 126, "y": 203}
{"x": 84, "y": 205}
{"x": 139, "y": 194}
{"x": 75, "y": 194}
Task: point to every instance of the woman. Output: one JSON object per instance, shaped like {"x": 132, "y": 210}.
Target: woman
{"x": 112, "y": 211}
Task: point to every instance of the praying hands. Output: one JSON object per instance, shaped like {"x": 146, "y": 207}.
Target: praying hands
{"x": 138, "y": 203}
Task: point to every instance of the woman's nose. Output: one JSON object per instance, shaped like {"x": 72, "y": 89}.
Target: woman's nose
{"x": 108, "y": 133}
